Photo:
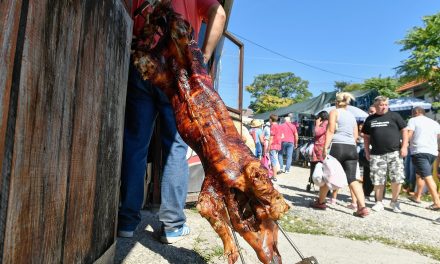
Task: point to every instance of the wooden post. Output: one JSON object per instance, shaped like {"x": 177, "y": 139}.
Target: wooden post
{"x": 63, "y": 75}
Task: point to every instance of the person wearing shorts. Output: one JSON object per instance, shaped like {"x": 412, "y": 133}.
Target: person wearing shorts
{"x": 274, "y": 144}
{"x": 423, "y": 134}
{"x": 383, "y": 131}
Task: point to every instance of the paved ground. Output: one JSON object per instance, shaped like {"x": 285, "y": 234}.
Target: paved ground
{"x": 204, "y": 246}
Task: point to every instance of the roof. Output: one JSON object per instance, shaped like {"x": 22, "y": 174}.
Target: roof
{"x": 410, "y": 85}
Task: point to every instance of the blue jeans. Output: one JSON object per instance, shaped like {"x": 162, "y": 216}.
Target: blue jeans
{"x": 144, "y": 103}
{"x": 286, "y": 148}
{"x": 258, "y": 150}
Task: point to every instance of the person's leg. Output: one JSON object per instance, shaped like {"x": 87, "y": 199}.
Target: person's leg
{"x": 350, "y": 167}
{"x": 378, "y": 192}
{"x": 140, "y": 115}
{"x": 174, "y": 184}
{"x": 273, "y": 155}
{"x": 289, "y": 152}
{"x": 432, "y": 188}
{"x": 424, "y": 164}
{"x": 353, "y": 196}
{"x": 334, "y": 196}
{"x": 323, "y": 190}
{"x": 378, "y": 171}
{"x": 420, "y": 185}
{"x": 258, "y": 150}
{"x": 397, "y": 176}
{"x": 312, "y": 169}
{"x": 280, "y": 155}
{"x": 320, "y": 202}
{"x": 367, "y": 185}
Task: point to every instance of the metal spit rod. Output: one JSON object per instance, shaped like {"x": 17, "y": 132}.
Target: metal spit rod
{"x": 237, "y": 244}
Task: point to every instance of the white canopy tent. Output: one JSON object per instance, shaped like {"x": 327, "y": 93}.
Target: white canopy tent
{"x": 407, "y": 103}
{"x": 358, "y": 113}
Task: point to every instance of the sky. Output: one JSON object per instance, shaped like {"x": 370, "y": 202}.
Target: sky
{"x": 355, "y": 40}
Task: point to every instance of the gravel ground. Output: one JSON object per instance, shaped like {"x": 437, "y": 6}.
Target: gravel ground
{"x": 413, "y": 226}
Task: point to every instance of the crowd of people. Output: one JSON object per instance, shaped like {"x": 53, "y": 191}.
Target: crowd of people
{"x": 370, "y": 152}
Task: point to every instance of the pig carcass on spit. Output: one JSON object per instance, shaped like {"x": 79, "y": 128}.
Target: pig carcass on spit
{"x": 237, "y": 192}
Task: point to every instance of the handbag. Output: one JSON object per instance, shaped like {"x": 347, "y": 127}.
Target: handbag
{"x": 265, "y": 160}
{"x": 333, "y": 173}
{"x": 318, "y": 174}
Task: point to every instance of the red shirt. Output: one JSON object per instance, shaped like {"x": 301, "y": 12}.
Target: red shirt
{"x": 289, "y": 131}
{"x": 194, "y": 11}
{"x": 275, "y": 132}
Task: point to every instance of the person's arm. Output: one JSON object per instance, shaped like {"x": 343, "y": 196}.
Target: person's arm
{"x": 410, "y": 134}
{"x": 319, "y": 130}
{"x": 261, "y": 137}
{"x": 355, "y": 133}
{"x": 214, "y": 30}
{"x": 367, "y": 146}
{"x": 405, "y": 137}
{"x": 331, "y": 128}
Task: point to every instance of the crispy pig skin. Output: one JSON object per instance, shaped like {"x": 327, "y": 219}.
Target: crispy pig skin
{"x": 237, "y": 192}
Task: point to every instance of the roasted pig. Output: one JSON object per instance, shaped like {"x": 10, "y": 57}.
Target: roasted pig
{"x": 237, "y": 193}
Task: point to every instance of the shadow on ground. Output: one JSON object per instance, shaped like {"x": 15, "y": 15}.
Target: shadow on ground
{"x": 147, "y": 236}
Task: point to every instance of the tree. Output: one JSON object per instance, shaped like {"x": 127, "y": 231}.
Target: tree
{"x": 384, "y": 86}
{"x": 268, "y": 102}
{"x": 272, "y": 91}
{"x": 340, "y": 85}
{"x": 424, "y": 46}
{"x": 347, "y": 87}
{"x": 354, "y": 87}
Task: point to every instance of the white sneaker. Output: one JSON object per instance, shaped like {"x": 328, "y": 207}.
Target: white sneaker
{"x": 378, "y": 207}
{"x": 396, "y": 207}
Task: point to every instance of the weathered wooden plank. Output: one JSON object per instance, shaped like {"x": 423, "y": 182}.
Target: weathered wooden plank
{"x": 104, "y": 30}
{"x": 10, "y": 13}
{"x": 42, "y": 142}
{"x": 68, "y": 132}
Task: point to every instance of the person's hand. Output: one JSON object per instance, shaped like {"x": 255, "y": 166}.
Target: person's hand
{"x": 318, "y": 121}
{"x": 324, "y": 153}
{"x": 403, "y": 152}
{"x": 367, "y": 155}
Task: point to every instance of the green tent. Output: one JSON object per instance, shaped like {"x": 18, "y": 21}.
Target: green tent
{"x": 364, "y": 98}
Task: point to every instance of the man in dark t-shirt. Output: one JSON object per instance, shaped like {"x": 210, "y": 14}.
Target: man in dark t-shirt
{"x": 383, "y": 132}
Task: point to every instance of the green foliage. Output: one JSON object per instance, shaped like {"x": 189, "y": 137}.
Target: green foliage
{"x": 340, "y": 85}
{"x": 384, "y": 86}
{"x": 436, "y": 105}
{"x": 353, "y": 87}
{"x": 272, "y": 91}
{"x": 267, "y": 103}
{"x": 423, "y": 43}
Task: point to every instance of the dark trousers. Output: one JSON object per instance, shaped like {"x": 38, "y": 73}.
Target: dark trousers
{"x": 367, "y": 184}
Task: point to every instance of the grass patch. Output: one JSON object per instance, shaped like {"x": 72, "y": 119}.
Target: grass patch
{"x": 200, "y": 246}
{"x": 425, "y": 250}
{"x": 307, "y": 226}
{"x": 192, "y": 206}
{"x": 304, "y": 226}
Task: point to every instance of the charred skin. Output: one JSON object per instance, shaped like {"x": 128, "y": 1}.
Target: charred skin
{"x": 237, "y": 192}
